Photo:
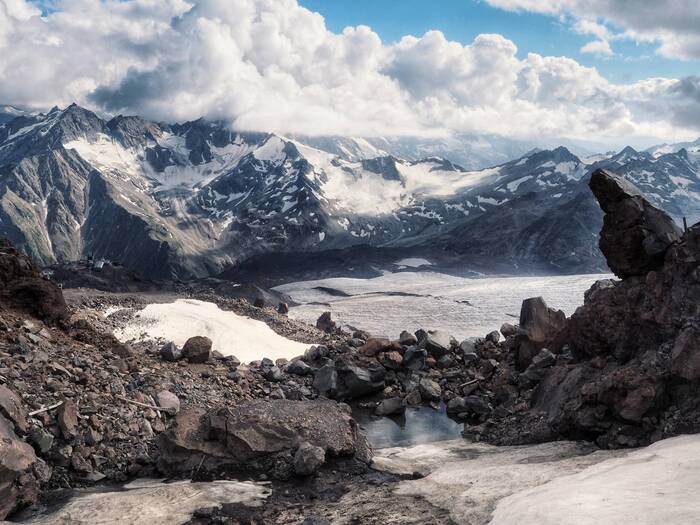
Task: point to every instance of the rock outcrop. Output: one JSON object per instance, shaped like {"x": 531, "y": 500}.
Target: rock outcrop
{"x": 627, "y": 369}
{"x": 22, "y": 287}
{"x": 277, "y": 438}
{"x": 635, "y": 234}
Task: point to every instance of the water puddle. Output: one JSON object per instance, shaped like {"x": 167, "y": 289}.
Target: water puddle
{"x": 417, "y": 426}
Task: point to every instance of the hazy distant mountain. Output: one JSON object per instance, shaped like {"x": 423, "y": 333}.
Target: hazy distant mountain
{"x": 191, "y": 199}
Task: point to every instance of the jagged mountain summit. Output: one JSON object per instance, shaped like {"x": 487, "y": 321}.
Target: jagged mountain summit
{"x": 186, "y": 200}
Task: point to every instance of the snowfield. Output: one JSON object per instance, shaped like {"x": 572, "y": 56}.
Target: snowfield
{"x": 464, "y": 307}
{"x": 557, "y": 483}
{"x": 231, "y": 334}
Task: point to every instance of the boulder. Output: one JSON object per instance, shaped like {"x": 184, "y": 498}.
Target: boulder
{"x": 437, "y": 343}
{"x": 308, "y": 459}
{"x": 260, "y": 436}
{"x": 355, "y": 381}
{"x": 374, "y": 345}
{"x": 22, "y": 286}
{"x": 539, "y": 325}
{"x": 283, "y": 308}
{"x": 635, "y": 234}
{"x": 390, "y": 406}
{"x": 325, "y": 323}
{"x": 407, "y": 339}
{"x": 414, "y": 358}
{"x": 326, "y": 380}
{"x": 508, "y": 330}
{"x": 429, "y": 390}
{"x": 12, "y": 408}
{"x": 391, "y": 360}
{"x": 170, "y": 352}
{"x": 21, "y": 472}
{"x": 298, "y": 367}
{"x": 197, "y": 349}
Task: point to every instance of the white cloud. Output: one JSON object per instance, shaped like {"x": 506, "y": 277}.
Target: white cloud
{"x": 598, "y": 47}
{"x": 273, "y": 65}
{"x": 674, "y": 24}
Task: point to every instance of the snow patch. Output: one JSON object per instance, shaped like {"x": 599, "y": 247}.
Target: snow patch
{"x": 231, "y": 334}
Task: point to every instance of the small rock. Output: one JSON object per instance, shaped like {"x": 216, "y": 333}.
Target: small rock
{"x": 429, "y": 390}
{"x": 299, "y": 368}
{"x": 168, "y": 401}
{"x": 170, "y": 352}
{"x": 283, "y": 308}
{"x": 414, "y": 358}
{"x": 390, "y": 406}
{"x": 407, "y": 339}
{"x": 374, "y": 345}
{"x": 508, "y": 330}
{"x": 68, "y": 419}
{"x": 493, "y": 337}
{"x": 308, "y": 459}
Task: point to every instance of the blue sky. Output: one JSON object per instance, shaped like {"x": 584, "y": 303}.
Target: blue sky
{"x": 462, "y": 20}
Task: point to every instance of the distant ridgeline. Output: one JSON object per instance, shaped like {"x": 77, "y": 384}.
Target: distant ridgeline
{"x": 190, "y": 200}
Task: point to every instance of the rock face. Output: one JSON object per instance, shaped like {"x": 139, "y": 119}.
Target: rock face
{"x": 635, "y": 234}
{"x": 259, "y": 436}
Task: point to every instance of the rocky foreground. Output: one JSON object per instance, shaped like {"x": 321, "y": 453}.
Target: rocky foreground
{"x": 77, "y": 407}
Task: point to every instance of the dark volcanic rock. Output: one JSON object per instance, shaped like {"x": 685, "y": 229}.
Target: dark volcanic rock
{"x": 170, "y": 352}
{"x": 635, "y": 234}
{"x": 21, "y": 472}
{"x": 325, "y": 323}
{"x": 539, "y": 325}
{"x": 260, "y": 436}
{"x": 197, "y": 349}
{"x": 22, "y": 286}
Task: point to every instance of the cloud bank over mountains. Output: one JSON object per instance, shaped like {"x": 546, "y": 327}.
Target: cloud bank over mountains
{"x": 273, "y": 65}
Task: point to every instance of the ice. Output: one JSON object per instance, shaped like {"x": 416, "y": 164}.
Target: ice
{"x": 651, "y": 486}
{"x": 152, "y": 502}
{"x": 468, "y": 479}
{"x": 413, "y": 262}
{"x": 231, "y": 334}
{"x": 464, "y": 307}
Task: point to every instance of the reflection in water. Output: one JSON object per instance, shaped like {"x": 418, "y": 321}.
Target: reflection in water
{"x": 418, "y": 425}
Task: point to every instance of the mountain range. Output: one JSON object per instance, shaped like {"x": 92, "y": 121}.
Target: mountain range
{"x": 193, "y": 199}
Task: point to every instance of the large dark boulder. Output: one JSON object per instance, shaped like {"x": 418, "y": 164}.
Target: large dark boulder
{"x": 259, "y": 436}
{"x": 635, "y": 234}
{"x": 22, "y": 286}
{"x": 197, "y": 349}
{"x": 21, "y": 472}
{"x": 539, "y": 325}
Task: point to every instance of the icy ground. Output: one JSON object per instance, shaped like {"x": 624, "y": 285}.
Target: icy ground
{"x": 464, "y": 307}
{"x": 231, "y": 334}
{"x": 559, "y": 483}
{"x": 151, "y": 502}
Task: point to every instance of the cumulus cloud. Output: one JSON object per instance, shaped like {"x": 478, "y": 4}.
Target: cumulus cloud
{"x": 272, "y": 65}
{"x": 598, "y": 47}
{"x": 673, "y": 24}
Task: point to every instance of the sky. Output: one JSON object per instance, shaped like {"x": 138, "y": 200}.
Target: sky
{"x": 606, "y": 71}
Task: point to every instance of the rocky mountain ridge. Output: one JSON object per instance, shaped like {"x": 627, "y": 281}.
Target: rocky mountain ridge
{"x": 190, "y": 200}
